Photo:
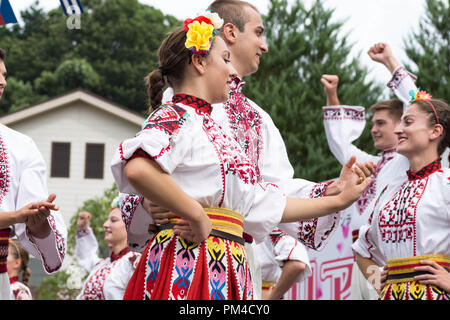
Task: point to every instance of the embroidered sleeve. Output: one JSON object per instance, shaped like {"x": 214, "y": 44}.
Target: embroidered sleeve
{"x": 401, "y": 83}
{"x": 165, "y": 137}
{"x": 137, "y": 221}
{"x": 343, "y": 125}
{"x": 33, "y": 187}
{"x": 313, "y": 233}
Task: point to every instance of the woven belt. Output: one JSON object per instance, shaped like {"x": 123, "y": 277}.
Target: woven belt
{"x": 266, "y": 285}
{"x": 402, "y": 270}
{"x": 4, "y": 244}
{"x": 226, "y": 223}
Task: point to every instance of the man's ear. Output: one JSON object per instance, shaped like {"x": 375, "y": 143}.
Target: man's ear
{"x": 199, "y": 63}
{"x": 229, "y": 33}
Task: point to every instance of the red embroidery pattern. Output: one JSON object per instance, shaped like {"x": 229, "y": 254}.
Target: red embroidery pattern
{"x": 397, "y": 218}
{"x": 307, "y": 229}
{"x": 370, "y": 192}
{"x": 128, "y": 207}
{"x": 4, "y": 170}
{"x": 60, "y": 245}
{"x": 398, "y": 76}
{"x": 425, "y": 171}
{"x": 231, "y": 156}
{"x": 343, "y": 113}
{"x": 245, "y": 123}
{"x": 168, "y": 118}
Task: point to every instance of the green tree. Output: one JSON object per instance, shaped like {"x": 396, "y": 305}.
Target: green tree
{"x": 304, "y": 43}
{"x": 429, "y": 49}
{"x": 115, "y": 48}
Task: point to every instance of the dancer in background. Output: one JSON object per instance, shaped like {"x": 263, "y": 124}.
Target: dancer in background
{"x": 344, "y": 124}
{"x": 18, "y": 271}
{"x": 410, "y": 221}
{"x": 284, "y": 261}
{"x": 108, "y": 277}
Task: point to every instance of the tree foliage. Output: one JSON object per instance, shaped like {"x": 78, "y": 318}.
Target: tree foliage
{"x": 304, "y": 43}
{"x": 110, "y": 55}
{"x": 429, "y": 49}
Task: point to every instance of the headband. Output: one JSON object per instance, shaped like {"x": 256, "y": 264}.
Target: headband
{"x": 422, "y": 95}
{"x": 201, "y": 31}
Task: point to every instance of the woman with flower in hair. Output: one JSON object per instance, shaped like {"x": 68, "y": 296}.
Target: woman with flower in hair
{"x": 184, "y": 161}
{"x": 17, "y": 262}
{"x": 108, "y": 277}
{"x": 408, "y": 232}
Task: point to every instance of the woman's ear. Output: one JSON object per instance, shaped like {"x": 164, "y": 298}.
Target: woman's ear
{"x": 229, "y": 33}
{"x": 437, "y": 131}
{"x": 199, "y": 63}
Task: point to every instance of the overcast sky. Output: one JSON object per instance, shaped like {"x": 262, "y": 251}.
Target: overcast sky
{"x": 368, "y": 21}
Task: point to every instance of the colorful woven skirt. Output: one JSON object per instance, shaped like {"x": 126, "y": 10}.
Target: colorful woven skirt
{"x": 400, "y": 284}
{"x": 172, "y": 268}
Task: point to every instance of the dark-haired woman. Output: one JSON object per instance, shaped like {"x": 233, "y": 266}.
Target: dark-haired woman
{"x": 411, "y": 219}
{"x": 183, "y": 161}
{"x": 17, "y": 262}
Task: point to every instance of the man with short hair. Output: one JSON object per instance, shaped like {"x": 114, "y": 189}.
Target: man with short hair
{"x": 25, "y": 206}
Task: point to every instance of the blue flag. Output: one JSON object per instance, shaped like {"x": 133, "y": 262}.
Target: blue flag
{"x": 71, "y": 7}
{"x": 6, "y": 13}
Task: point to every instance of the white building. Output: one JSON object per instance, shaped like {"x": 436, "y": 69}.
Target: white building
{"x": 64, "y": 129}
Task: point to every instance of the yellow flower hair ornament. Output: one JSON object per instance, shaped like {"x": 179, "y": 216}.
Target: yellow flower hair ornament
{"x": 201, "y": 31}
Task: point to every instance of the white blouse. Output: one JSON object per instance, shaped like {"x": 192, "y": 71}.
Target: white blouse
{"x": 409, "y": 218}
{"x": 205, "y": 162}
{"x": 20, "y": 291}
{"x": 22, "y": 181}
{"x": 275, "y": 250}
{"x": 108, "y": 277}
{"x": 253, "y": 129}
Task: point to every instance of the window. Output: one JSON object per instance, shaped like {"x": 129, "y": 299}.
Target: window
{"x": 60, "y": 165}
{"x": 95, "y": 154}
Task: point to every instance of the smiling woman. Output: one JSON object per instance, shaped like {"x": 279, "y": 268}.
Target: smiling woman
{"x": 410, "y": 220}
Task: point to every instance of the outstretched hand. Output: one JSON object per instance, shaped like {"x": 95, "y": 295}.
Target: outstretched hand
{"x": 355, "y": 177}
{"x": 35, "y": 215}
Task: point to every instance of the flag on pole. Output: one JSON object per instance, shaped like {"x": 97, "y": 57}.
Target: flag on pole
{"x": 6, "y": 13}
{"x": 71, "y": 7}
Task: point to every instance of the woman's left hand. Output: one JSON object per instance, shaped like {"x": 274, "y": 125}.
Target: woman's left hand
{"x": 437, "y": 276}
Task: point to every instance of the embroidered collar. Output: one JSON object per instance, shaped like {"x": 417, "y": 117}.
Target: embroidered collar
{"x": 237, "y": 84}
{"x": 425, "y": 171}
{"x": 388, "y": 152}
{"x": 115, "y": 257}
{"x": 13, "y": 280}
{"x": 194, "y": 102}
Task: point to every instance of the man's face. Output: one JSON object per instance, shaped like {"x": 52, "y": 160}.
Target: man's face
{"x": 383, "y": 126}
{"x": 250, "y": 44}
{"x": 2, "y": 77}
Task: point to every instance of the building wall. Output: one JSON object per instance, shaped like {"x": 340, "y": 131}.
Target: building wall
{"x": 78, "y": 123}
